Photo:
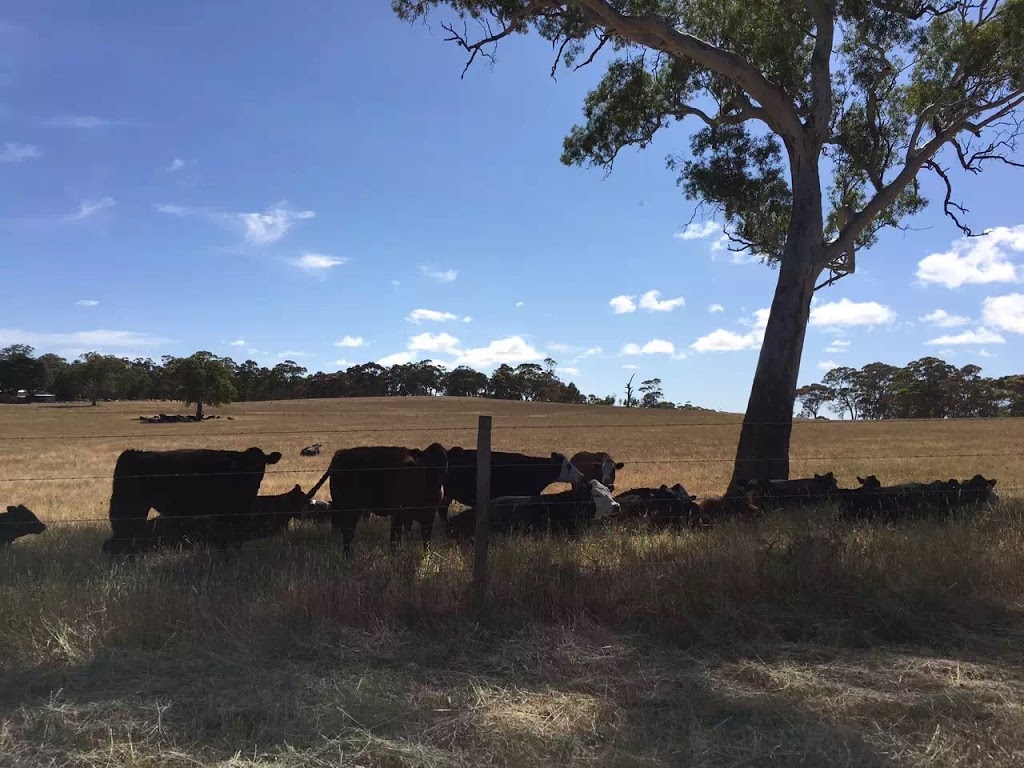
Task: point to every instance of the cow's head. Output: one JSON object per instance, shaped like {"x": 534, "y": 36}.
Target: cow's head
{"x": 258, "y": 455}
{"x": 604, "y": 504}
{"x": 568, "y": 473}
{"x": 870, "y": 482}
{"x": 295, "y": 500}
{"x": 978, "y": 490}
{"x": 826, "y": 483}
{"x": 24, "y": 521}
{"x": 606, "y": 472}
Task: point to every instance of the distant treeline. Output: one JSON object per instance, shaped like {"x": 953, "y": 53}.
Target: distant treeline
{"x": 204, "y": 377}
{"x": 928, "y": 388}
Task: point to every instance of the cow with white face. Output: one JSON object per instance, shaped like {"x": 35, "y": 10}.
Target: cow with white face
{"x": 597, "y": 466}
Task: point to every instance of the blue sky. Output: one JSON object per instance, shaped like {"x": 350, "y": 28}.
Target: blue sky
{"x": 315, "y": 182}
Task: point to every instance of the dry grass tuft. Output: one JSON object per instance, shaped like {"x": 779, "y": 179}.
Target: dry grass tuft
{"x": 798, "y": 641}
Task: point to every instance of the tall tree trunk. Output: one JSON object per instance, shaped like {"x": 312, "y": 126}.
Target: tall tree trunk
{"x": 763, "y": 450}
{"x": 199, "y": 410}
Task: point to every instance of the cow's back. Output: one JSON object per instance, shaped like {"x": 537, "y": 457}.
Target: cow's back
{"x": 382, "y": 478}
{"x": 512, "y": 474}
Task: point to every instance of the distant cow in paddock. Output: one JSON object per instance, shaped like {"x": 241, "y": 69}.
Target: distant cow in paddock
{"x": 202, "y": 483}
{"x": 403, "y": 483}
{"x": 562, "y": 512}
{"x": 512, "y": 474}
{"x": 17, "y": 522}
{"x": 662, "y": 507}
{"x": 311, "y": 450}
{"x": 597, "y": 466}
{"x": 939, "y": 498}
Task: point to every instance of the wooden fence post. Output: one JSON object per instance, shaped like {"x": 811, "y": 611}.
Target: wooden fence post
{"x": 482, "y": 507}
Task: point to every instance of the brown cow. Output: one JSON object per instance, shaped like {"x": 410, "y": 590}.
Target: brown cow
{"x": 597, "y": 466}
{"x": 404, "y": 483}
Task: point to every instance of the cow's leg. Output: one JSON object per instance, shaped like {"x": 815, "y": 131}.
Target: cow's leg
{"x": 425, "y": 517}
{"x": 442, "y": 511}
{"x": 399, "y": 520}
{"x": 345, "y": 520}
{"x": 128, "y": 525}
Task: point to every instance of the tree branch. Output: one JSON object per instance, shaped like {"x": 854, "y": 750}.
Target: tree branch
{"x": 602, "y": 39}
{"x": 821, "y": 65}
{"x": 948, "y": 206}
{"x": 654, "y": 32}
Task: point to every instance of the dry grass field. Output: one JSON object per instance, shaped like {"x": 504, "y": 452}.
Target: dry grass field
{"x": 798, "y": 641}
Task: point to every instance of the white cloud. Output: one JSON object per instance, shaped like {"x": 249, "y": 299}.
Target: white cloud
{"x": 652, "y": 302}
{"x": 979, "y": 336}
{"x": 441, "y": 275}
{"x": 512, "y": 350}
{"x": 395, "y": 284}
{"x": 1005, "y": 312}
{"x": 86, "y": 303}
{"x": 715, "y": 308}
{"x": 87, "y": 340}
{"x": 343, "y": 363}
{"x": 238, "y": 343}
{"x": 697, "y": 231}
{"x": 630, "y": 367}
{"x": 90, "y": 208}
{"x": 467, "y": 319}
{"x": 844, "y": 312}
{"x": 317, "y": 262}
{"x": 13, "y": 152}
{"x": 986, "y": 353}
{"x": 976, "y": 260}
{"x": 827, "y": 365}
{"x": 270, "y": 226}
{"x": 351, "y": 342}
{"x": 623, "y": 305}
{"x": 398, "y": 358}
{"x": 83, "y": 121}
{"x": 569, "y": 371}
{"x": 652, "y": 347}
{"x": 177, "y": 210}
{"x": 520, "y": 304}
{"x": 176, "y": 165}
{"x": 943, "y": 319}
{"x": 721, "y": 340}
{"x": 558, "y": 347}
{"x": 591, "y": 351}
{"x": 291, "y": 355}
{"x": 837, "y": 346}
{"x": 431, "y": 342}
{"x": 418, "y": 316}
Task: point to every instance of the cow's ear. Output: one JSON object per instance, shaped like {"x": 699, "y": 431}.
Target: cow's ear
{"x": 620, "y": 465}
{"x": 991, "y": 483}
{"x": 273, "y": 458}
{"x": 556, "y": 456}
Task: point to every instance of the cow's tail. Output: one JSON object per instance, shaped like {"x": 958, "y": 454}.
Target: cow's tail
{"x": 318, "y": 486}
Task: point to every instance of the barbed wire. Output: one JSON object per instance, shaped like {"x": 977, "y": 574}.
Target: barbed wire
{"x": 510, "y": 467}
{"x": 473, "y": 428}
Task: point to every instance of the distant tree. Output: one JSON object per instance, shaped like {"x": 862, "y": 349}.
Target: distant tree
{"x": 19, "y": 369}
{"x": 465, "y": 382}
{"x": 595, "y": 400}
{"x": 651, "y": 393}
{"x": 843, "y": 384}
{"x": 630, "y": 401}
{"x": 202, "y": 379}
{"x": 812, "y": 398}
{"x": 99, "y": 375}
{"x": 505, "y": 384}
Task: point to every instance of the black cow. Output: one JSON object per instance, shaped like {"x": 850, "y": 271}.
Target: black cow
{"x": 662, "y": 507}
{"x": 512, "y": 474}
{"x": 202, "y": 483}
{"x": 788, "y": 494}
{"x": 562, "y": 512}
{"x": 404, "y": 483}
{"x": 939, "y": 498}
{"x": 17, "y": 522}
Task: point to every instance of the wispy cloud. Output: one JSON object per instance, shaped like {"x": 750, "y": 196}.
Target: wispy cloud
{"x": 844, "y": 313}
{"x": 291, "y": 355}
{"x": 88, "y": 340}
{"x": 652, "y": 347}
{"x": 418, "y": 316}
{"x": 441, "y": 275}
{"x": 13, "y": 152}
{"x": 86, "y": 303}
{"x": 238, "y": 343}
{"x": 176, "y": 165}
{"x": 351, "y": 342}
{"x": 89, "y": 208}
{"x": 943, "y": 319}
{"x": 83, "y": 121}
{"x": 837, "y": 346}
{"x": 699, "y": 231}
{"x": 317, "y": 262}
{"x": 712, "y": 308}
{"x": 264, "y": 228}
{"x": 827, "y": 365}
{"x": 652, "y": 302}
{"x": 979, "y": 336}
{"x": 520, "y": 304}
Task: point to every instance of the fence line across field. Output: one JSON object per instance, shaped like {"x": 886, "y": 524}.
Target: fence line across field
{"x": 628, "y": 462}
{"x": 385, "y": 511}
{"x": 442, "y": 428}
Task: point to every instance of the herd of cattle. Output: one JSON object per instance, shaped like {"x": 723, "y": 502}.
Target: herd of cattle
{"x": 212, "y": 496}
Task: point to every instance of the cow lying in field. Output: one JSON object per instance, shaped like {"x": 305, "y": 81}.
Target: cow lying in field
{"x": 562, "y": 512}
{"x": 940, "y": 498}
{"x": 214, "y": 484}
{"x": 17, "y": 522}
{"x": 662, "y": 507}
{"x": 311, "y": 450}
{"x": 791, "y": 494}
